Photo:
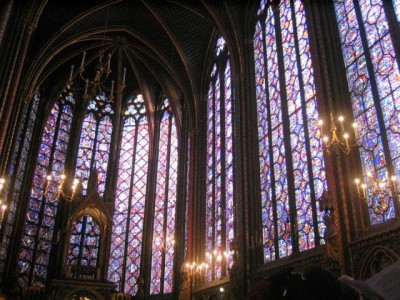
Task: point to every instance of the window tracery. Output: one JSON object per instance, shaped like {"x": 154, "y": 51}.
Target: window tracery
{"x": 219, "y": 168}
{"x": 292, "y": 171}
{"x": 372, "y": 68}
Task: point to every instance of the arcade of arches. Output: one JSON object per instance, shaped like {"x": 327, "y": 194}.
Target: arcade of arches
{"x": 190, "y": 149}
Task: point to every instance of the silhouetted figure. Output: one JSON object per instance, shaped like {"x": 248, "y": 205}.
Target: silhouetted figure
{"x": 314, "y": 284}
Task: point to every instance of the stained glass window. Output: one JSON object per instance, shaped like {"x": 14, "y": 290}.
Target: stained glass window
{"x": 127, "y": 230}
{"x": 16, "y": 172}
{"x": 38, "y": 234}
{"x": 83, "y": 247}
{"x": 187, "y": 198}
{"x": 219, "y": 168}
{"x": 94, "y": 147}
{"x": 290, "y": 153}
{"x": 396, "y": 5}
{"x": 372, "y": 67}
{"x": 165, "y": 203}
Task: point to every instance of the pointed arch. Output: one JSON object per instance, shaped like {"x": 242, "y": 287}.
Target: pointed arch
{"x": 38, "y": 234}
{"x": 375, "y": 260}
{"x": 95, "y": 140}
{"x": 219, "y": 169}
{"x": 163, "y": 245}
{"x": 130, "y": 200}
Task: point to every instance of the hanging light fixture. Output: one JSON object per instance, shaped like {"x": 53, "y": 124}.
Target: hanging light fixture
{"x": 383, "y": 190}
{"x": 337, "y": 138}
{"x": 97, "y": 85}
{"x": 51, "y": 182}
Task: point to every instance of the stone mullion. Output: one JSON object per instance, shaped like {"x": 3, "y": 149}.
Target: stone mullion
{"x": 10, "y": 96}
{"x": 182, "y": 195}
{"x": 18, "y": 231}
{"x": 59, "y": 251}
{"x": 333, "y": 97}
{"x": 151, "y": 191}
{"x": 286, "y": 133}
{"x": 376, "y": 96}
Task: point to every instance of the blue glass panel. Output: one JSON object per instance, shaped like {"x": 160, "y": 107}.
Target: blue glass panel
{"x": 377, "y": 111}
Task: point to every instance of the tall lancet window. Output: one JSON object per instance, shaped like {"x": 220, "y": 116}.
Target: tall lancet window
{"x": 219, "y": 168}
{"x": 94, "y": 146}
{"x": 16, "y": 175}
{"x": 38, "y": 232}
{"x": 372, "y": 65}
{"x": 165, "y": 203}
{"x": 292, "y": 172}
{"x": 127, "y": 230}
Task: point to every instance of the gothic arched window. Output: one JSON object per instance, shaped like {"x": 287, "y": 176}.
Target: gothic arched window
{"x": 292, "y": 172}
{"x": 84, "y": 244}
{"x": 219, "y": 168}
{"x": 16, "y": 173}
{"x": 94, "y": 146}
{"x": 372, "y": 64}
{"x": 161, "y": 280}
{"x": 38, "y": 234}
{"x": 127, "y": 231}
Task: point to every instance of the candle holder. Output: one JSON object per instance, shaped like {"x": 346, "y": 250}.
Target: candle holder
{"x": 338, "y": 138}
{"x": 97, "y": 85}
{"x": 382, "y": 189}
{"x": 196, "y": 272}
{"x": 51, "y": 182}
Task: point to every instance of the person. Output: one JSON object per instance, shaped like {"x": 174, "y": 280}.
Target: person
{"x": 314, "y": 284}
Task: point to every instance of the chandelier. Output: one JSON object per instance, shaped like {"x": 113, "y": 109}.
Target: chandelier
{"x": 97, "y": 85}
{"x": 337, "y": 138}
{"x": 52, "y": 182}
{"x": 196, "y": 268}
{"x": 213, "y": 258}
{"x": 381, "y": 189}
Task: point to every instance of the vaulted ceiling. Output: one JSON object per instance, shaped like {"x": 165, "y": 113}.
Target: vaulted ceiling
{"x": 164, "y": 44}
